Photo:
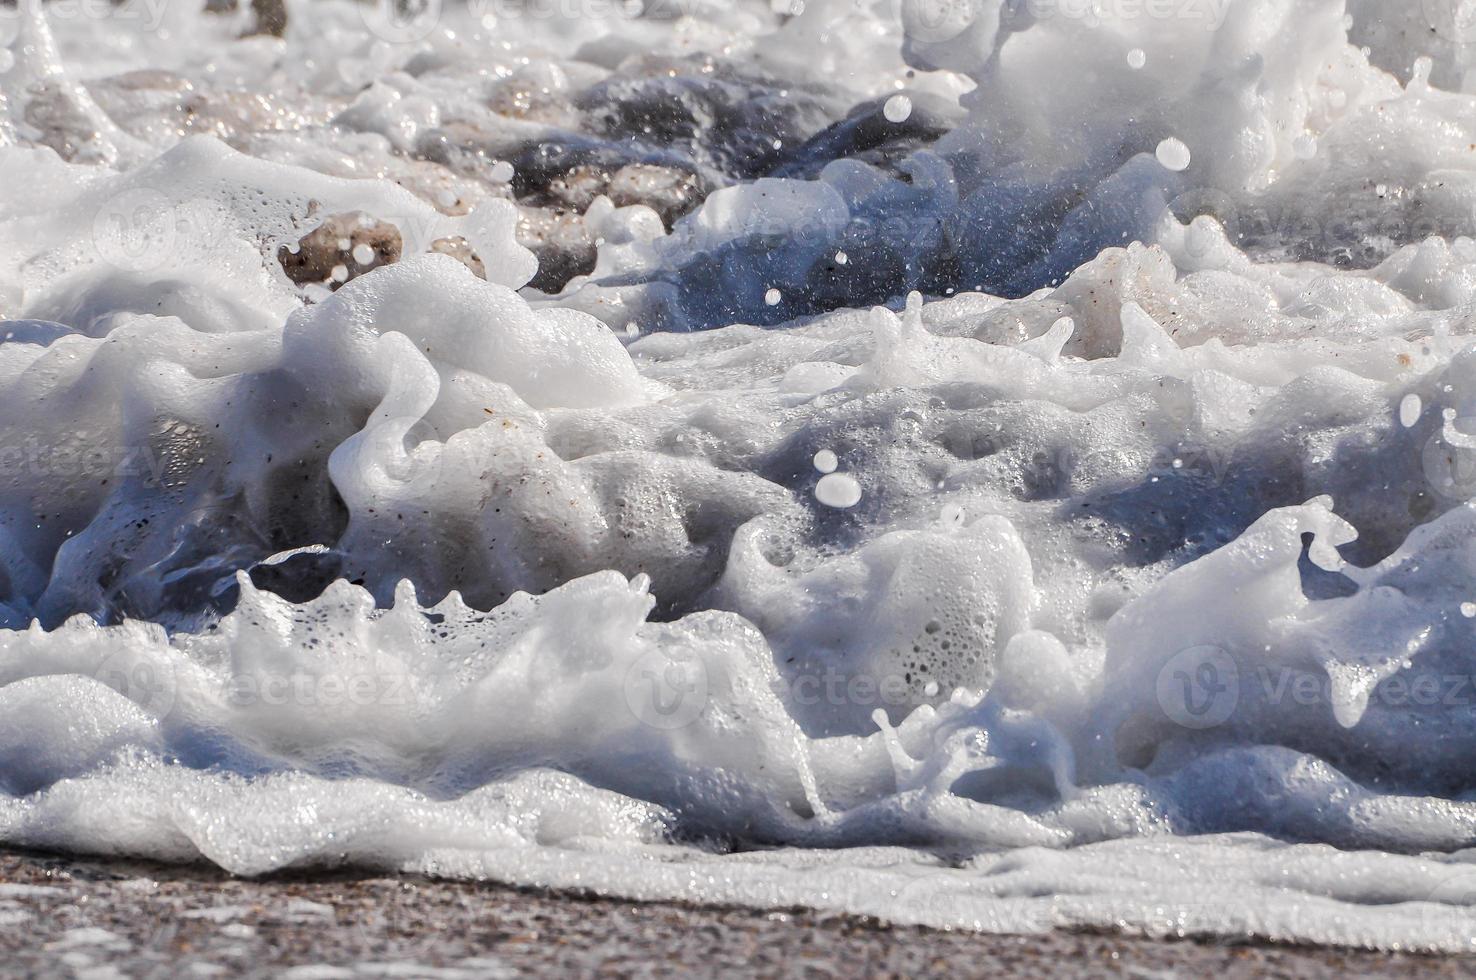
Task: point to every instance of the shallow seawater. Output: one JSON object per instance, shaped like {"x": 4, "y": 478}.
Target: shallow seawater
{"x": 998, "y": 465}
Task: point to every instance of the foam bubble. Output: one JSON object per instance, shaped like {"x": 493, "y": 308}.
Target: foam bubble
{"x": 1173, "y": 154}
{"x": 1146, "y": 582}
{"x": 838, "y": 490}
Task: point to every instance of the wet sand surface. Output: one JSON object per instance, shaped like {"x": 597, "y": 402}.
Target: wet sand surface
{"x": 97, "y": 919}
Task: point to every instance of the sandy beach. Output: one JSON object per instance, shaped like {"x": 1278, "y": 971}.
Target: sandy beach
{"x": 106, "y": 918}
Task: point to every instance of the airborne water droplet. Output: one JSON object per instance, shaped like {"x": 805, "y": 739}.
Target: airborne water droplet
{"x": 1174, "y": 155}
{"x": 1410, "y": 407}
{"x": 838, "y": 490}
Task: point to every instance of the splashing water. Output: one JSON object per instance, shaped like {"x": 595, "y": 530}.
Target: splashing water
{"x": 1025, "y": 501}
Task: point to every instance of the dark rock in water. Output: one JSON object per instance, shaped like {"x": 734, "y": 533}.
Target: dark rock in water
{"x": 466, "y": 149}
{"x": 663, "y": 133}
{"x": 577, "y": 189}
{"x": 271, "y": 17}
{"x": 64, "y": 125}
{"x": 553, "y": 226}
{"x": 323, "y": 249}
{"x": 335, "y": 242}
{"x": 460, "y": 250}
{"x": 729, "y": 127}
{"x": 562, "y": 244}
{"x": 869, "y": 136}
{"x": 539, "y": 166}
{"x": 669, "y": 192}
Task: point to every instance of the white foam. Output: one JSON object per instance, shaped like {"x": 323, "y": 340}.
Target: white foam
{"x": 1162, "y": 556}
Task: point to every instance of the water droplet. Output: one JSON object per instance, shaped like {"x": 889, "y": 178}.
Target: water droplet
{"x": 772, "y": 297}
{"x": 1137, "y": 58}
{"x": 897, "y": 108}
{"x": 1409, "y": 410}
{"x": 826, "y": 461}
{"x": 1174, "y": 155}
{"x": 838, "y": 490}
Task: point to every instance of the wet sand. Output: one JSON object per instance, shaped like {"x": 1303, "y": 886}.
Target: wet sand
{"x": 98, "y": 919}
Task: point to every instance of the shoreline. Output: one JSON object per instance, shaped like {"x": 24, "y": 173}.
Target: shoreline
{"x": 106, "y": 918}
